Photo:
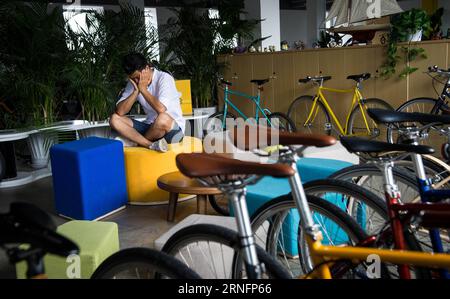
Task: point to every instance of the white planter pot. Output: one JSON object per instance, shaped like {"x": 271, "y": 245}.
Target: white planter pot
{"x": 416, "y": 37}
{"x": 101, "y": 131}
{"x": 40, "y": 144}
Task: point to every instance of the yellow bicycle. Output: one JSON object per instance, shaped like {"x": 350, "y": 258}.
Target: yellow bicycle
{"x": 313, "y": 114}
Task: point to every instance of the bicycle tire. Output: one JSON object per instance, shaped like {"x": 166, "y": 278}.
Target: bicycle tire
{"x": 223, "y": 236}
{"x": 160, "y": 262}
{"x": 421, "y": 105}
{"x": 286, "y": 124}
{"x": 354, "y": 123}
{"x": 299, "y": 121}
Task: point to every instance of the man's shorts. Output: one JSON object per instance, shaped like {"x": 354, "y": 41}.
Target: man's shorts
{"x": 174, "y": 136}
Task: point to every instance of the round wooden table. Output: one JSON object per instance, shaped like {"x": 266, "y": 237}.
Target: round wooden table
{"x": 176, "y": 183}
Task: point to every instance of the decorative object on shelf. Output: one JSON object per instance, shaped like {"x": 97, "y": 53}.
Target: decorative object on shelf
{"x": 284, "y": 45}
{"x": 252, "y": 49}
{"x": 354, "y": 16}
{"x": 406, "y": 27}
{"x": 299, "y": 45}
{"x": 271, "y": 48}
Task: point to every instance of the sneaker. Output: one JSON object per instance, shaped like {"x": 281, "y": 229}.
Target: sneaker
{"x": 160, "y": 146}
{"x": 126, "y": 142}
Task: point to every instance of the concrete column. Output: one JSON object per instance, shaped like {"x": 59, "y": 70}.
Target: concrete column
{"x": 316, "y": 13}
{"x": 269, "y": 11}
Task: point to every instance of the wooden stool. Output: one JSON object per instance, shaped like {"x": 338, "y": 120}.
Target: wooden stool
{"x": 176, "y": 183}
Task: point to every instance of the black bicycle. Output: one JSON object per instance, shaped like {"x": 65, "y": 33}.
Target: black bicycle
{"x": 27, "y": 224}
{"x": 430, "y": 106}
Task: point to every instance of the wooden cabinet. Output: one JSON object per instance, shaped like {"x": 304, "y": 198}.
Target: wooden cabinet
{"x": 332, "y": 63}
{"x": 285, "y": 68}
{"x": 393, "y": 90}
{"x": 420, "y": 84}
{"x": 239, "y": 72}
{"x": 263, "y": 69}
{"x": 283, "y": 81}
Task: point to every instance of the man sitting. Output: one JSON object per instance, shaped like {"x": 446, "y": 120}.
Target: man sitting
{"x": 156, "y": 93}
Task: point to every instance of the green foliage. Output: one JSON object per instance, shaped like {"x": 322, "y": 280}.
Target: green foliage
{"x": 404, "y": 26}
{"x": 434, "y": 31}
{"x": 44, "y": 62}
{"x": 192, "y": 39}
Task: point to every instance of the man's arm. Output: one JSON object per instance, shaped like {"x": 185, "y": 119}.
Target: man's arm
{"x": 154, "y": 102}
{"x": 125, "y": 106}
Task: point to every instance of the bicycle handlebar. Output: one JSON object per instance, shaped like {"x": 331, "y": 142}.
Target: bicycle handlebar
{"x": 27, "y": 224}
{"x": 436, "y": 69}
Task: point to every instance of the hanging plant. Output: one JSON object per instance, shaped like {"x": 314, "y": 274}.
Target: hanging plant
{"x": 405, "y": 27}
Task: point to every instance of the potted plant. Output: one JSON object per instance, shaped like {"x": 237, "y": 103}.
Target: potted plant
{"x": 192, "y": 40}
{"x": 406, "y": 27}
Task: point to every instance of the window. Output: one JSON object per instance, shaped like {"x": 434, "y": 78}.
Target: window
{"x": 75, "y": 16}
{"x": 151, "y": 21}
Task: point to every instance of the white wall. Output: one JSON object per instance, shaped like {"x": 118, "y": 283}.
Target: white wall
{"x": 293, "y": 25}
{"x": 446, "y": 17}
{"x": 270, "y": 13}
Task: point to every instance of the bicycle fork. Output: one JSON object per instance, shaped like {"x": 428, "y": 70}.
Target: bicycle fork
{"x": 311, "y": 230}
{"x": 246, "y": 238}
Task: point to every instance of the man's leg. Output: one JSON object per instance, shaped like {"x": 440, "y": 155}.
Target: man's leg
{"x": 162, "y": 125}
{"x": 124, "y": 126}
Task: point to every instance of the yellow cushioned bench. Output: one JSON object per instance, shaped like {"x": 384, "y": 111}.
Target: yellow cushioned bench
{"x": 143, "y": 167}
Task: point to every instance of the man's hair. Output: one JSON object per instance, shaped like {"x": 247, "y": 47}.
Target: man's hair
{"x": 134, "y": 62}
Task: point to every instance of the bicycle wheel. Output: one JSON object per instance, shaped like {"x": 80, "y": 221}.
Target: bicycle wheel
{"x": 214, "y": 123}
{"x": 421, "y": 105}
{"x": 370, "y": 177}
{"x": 366, "y": 208}
{"x": 277, "y": 229}
{"x": 210, "y": 251}
{"x": 220, "y": 204}
{"x": 142, "y": 263}
{"x": 282, "y": 122}
{"x": 300, "y": 110}
{"x": 357, "y": 126}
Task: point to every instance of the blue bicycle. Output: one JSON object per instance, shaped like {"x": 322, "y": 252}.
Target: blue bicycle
{"x": 218, "y": 121}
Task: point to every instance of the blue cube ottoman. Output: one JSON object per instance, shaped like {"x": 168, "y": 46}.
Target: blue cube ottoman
{"x": 269, "y": 188}
{"x": 88, "y": 178}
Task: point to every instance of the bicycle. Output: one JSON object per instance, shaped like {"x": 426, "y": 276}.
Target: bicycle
{"x": 321, "y": 256}
{"x": 367, "y": 209}
{"x": 313, "y": 114}
{"x": 218, "y": 245}
{"x": 429, "y": 105}
{"x": 218, "y": 121}
{"x": 29, "y": 225}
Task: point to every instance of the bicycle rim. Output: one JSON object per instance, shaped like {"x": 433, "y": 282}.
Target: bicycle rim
{"x": 308, "y": 121}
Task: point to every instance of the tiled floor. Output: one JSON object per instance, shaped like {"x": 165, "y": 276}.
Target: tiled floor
{"x": 139, "y": 226}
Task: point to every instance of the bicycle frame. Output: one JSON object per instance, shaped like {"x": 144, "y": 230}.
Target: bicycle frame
{"x": 357, "y": 100}
{"x": 321, "y": 255}
{"x": 254, "y": 99}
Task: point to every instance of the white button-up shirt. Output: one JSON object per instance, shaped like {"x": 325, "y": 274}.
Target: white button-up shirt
{"x": 164, "y": 89}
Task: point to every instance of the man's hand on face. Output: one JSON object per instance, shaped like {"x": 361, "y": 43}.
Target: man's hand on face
{"x": 136, "y": 88}
{"x": 144, "y": 80}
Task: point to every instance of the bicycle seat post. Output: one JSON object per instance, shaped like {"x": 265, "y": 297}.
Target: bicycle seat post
{"x": 237, "y": 198}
